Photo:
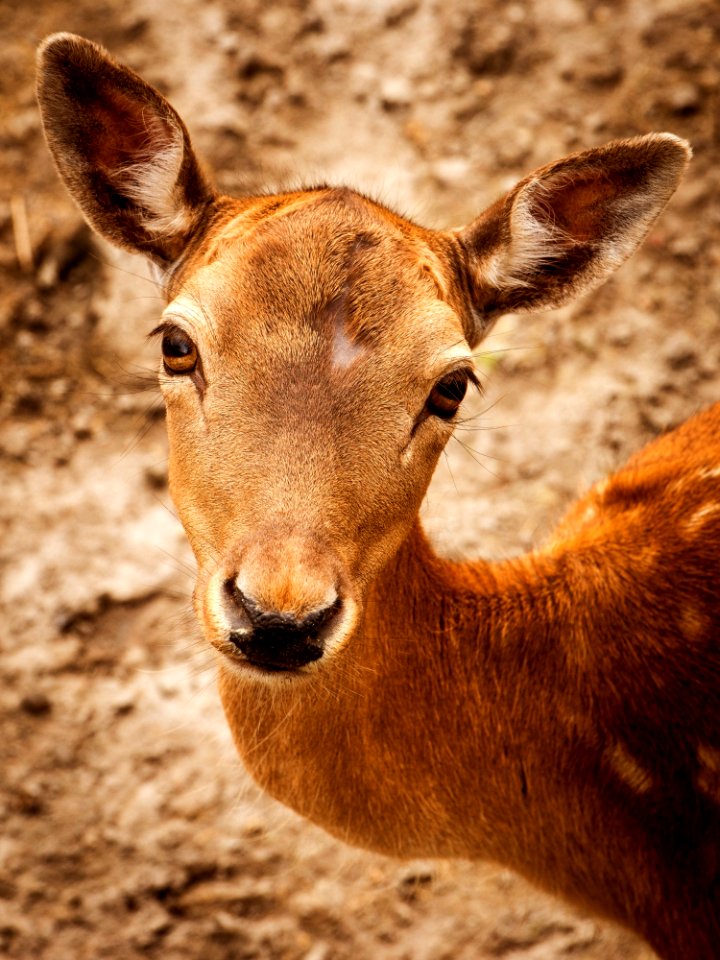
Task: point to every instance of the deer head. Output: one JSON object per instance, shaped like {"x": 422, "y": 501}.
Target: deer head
{"x": 316, "y": 347}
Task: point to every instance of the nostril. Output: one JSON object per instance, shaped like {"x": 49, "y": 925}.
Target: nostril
{"x": 263, "y": 619}
{"x": 238, "y": 598}
{"x": 313, "y": 624}
{"x": 279, "y": 641}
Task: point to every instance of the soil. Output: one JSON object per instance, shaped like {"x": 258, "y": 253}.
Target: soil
{"x": 129, "y": 828}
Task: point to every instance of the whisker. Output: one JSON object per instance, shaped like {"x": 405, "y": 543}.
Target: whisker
{"x": 144, "y": 430}
{"x": 476, "y": 455}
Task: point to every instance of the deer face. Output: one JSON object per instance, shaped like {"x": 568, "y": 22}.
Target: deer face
{"x": 316, "y": 347}
{"x": 323, "y": 371}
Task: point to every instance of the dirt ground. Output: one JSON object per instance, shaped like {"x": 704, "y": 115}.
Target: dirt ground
{"x": 129, "y": 828}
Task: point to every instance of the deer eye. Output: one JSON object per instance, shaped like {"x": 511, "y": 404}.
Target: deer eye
{"x": 447, "y": 394}
{"x": 179, "y": 352}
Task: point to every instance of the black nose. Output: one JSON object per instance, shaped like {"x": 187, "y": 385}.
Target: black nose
{"x": 279, "y": 641}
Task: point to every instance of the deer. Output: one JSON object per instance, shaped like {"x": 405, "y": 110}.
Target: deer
{"x": 557, "y": 712}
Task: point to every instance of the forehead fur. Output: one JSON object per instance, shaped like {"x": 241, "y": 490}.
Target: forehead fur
{"x": 331, "y": 259}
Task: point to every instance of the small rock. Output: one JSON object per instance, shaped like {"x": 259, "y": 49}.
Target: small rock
{"x": 600, "y": 72}
{"x": 395, "y": 92}
{"x": 515, "y": 13}
{"x": 515, "y": 146}
{"x": 487, "y": 47}
{"x": 620, "y": 335}
{"x": 62, "y": 252}
{"x": 587, "y": 340}
{"x": 656, "y": 416}
{"x": 58, "y": 389}
{"x": 484, "y": 88}
{"x": 65, "y": 755}
{"x": 28, "y": 400}
{"x": 29, "y": 800}
{"x": 684, "y": 99}
{"x": 144, "y": 930}
{"x": 82, "y": 424}
{"x": 331, "y": 47}
{"x": 413, "y": 883}
{"x": 520, "y": 931}
{"x": 47, "y": 274}
{"x": 319, "y": 951}
{"x": 417, "y": 133}
{"x": 16, "y": 440}
{"x": 29, "y": 313}
{"x": 399, "y": 12}
{"x": 253, "y": 828}
{"x": 20, "y": 125}
{"x": 451, "y": 170}
{"x": 156, "y": 476}
{"x": 687, "y": 246}
{"x": 36, "y": 704}
{"x": 229, "y": 926}
{"x": 530, "y": 470}
{"x": 595, "y": 121}
{"x": 254, "y": 900}
{"x": 680, "y": 351}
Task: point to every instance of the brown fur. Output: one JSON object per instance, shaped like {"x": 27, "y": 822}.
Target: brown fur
{"x": 558, "y": 712}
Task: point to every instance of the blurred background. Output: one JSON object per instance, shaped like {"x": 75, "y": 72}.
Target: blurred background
{"x": 129, "y": 828}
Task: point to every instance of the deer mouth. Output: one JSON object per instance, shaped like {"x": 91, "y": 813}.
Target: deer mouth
{"x": 277, "y": 651}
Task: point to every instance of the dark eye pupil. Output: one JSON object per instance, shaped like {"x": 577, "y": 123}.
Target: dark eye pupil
{"x": 452, "y": 389}
{"x": 177, "y": 345}
{"x": 447, "y": 394}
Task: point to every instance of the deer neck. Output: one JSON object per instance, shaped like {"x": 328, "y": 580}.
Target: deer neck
{"x": 525, "y": 763}
{"x": 371, "y": 744}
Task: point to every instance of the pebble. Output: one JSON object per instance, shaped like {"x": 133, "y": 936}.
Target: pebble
{"x": 30, "y": 313}
{"x": 680, "y": 351}
{"x": 686, "y": 246}
{"x": 65, "y": 249}
{"x": 16, "y": 439}
{"x": 620, "y": 335}
{"x": 418, "y": 133}
{"x": 451, "y": 170}
{"x": 400, "y": 12}
{"x": 36, "y": 704}
{"x": 319, "y": 951}
{"x": 684, "y": 98}
{"x": 253, "y": 828}
{"x": 395, "y": 92}
{"x": 156, "y": 476}
{"x": 488, "y": 49}
{"x": 251, "y": 898}
{"x": 82, "y": 424}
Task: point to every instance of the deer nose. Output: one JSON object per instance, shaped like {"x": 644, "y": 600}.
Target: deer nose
{"x": 279, "y": 641}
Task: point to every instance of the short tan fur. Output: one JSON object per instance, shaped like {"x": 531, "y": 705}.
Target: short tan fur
{"x": 558, "y": 712}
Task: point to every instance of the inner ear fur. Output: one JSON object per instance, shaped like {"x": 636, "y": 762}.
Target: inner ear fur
{"x": 122, "y": 150}
{"x": 566, "y": 227}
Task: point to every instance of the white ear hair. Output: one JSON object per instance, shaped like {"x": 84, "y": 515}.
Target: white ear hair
{"x": 533, "y": 242}
{"x": 568, "y": 226}
{"x": 153, "y": 185}
{"x": 121, "y": 148}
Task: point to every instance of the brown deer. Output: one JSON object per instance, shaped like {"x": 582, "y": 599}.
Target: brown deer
{"x": 559, "y": 712}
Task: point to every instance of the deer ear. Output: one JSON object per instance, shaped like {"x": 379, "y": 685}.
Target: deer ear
{"x": 122, "y": 150}
{"x": 567, "y": 226}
